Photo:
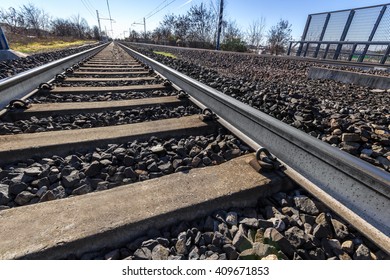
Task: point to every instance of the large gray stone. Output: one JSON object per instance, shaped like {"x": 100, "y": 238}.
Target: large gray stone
{"x": 48, "y": 196}
{"x": 241, "y": 241}
{"x": 166, "y": 168}
{"x": 231, "y": 218}
{"x": 16, "y": 188}
{"x": 323, "y": 229}
{"x": 33, "y": 171}
{"x": 158, "y": 150}
{"x": 350, "y": 137}
{"x": 248, "y": 254}
{"x": 160, "y": 253}
{"x": 130, "y": 173}
{"x": 276, "y": 239}
{"x": 306, "y": 205}
{"x": 59, "y": 192}
{"x": 362, "y": 253}
{"x": 93, "y": 169}
{"x": 84, "y": 189}
{"x": 296, "y": 236}
{"x": 194, "y": 254}
{"x": 143, "y": 254}
{"x": 230, "y": 251}
{"x": 278, "y": 224}
{"x": 24, "y": 198}
{"x": 181, "y": 247}
{"x": 250, "y": 222}
{"x": 348, "y": 246}
{"x": 71, "y": 180}
{"x": 263, "y": 250}
{"x": 340, "y": 229}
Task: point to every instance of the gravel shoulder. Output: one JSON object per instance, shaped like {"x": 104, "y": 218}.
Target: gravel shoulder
{"x": 354, "y": 118}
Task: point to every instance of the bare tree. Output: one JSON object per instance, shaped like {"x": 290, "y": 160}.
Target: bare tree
{"x": 34, "y": 18}
{"x": 162, "y": 34}
{"x": 201, "y": 26}
{"x": 12, "y": 18}
{"x": 233, "y": 38}
{"x": 255, "y": 33}
{"x": 182, "y": 26}
{"x": 232, "y": 30}
{"x": 62, "y": 27}
{"x": 44, "y": 21}
{"x": 80, "y": 25}
{"x": 134, "y": 35}
{"x": 96, "y": 32}
{"x": 165, "y": 31}
{"x": 278, "y": 37}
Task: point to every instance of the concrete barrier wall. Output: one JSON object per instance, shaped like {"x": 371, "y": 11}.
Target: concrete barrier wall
{"x": 348, "y": 77}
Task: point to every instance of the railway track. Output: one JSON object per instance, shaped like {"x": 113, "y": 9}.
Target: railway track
{"x": 156, "y": 165}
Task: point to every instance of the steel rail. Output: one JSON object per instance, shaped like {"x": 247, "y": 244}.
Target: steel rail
{"x": 23, "y": 83}
{"x": 354, "y": 189}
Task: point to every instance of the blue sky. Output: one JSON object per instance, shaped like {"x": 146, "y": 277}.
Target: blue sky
{"x": 125, "y": 13}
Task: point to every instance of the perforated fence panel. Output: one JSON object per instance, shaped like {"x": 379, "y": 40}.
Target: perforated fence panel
{"x": 383, "y": 31}
{"x": 361, "y": 34}
{"x": 362, "y": 24}
{"x": 335, "y": 26}
{"x": 315, "y": 27}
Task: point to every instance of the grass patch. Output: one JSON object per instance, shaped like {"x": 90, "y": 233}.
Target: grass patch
{"x": 167, "y": 54}
{"x": 45, "y": 46}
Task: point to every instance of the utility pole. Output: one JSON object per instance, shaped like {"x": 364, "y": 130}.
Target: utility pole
{"x": 145, "y": 28}
{"x": 220, "y": 25}
{"x": 100, "y": 28}
{"x": 144, "y": 24}
{"x": 109, "y": 13}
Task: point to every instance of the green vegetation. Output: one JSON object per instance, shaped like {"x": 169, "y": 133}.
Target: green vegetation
{"x": 234, "y": 45}
{"x": 167, "y": 54}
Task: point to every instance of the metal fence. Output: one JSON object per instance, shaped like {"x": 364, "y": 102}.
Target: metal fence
{"x": 361, "y": 35}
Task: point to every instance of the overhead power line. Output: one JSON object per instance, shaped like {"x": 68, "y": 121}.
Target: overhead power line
{"x": 150, "y": 15}
{"x": 88, "y": 9}
{"x": 152, "y": 11}
{"x": 90, "y": 5}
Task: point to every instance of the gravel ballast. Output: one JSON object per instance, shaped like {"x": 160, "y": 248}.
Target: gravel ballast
{"x": 43, "y": 179}
{"x": 90, "y": 120}
{"x": 289, "y": 226}
{"x": 95, "y": 97}
{"x": 353, "y": 118}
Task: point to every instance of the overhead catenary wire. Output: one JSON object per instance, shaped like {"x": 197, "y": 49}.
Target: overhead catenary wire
{"x": 90, "y": 5}
{"x": 152, "y": 11}
{"x": 88, "y": 9}
{"x": 147, "y": 17}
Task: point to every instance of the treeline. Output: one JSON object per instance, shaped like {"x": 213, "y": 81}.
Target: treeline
{"x": 31, "y": 20}
{"x": 198, "y": 28}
